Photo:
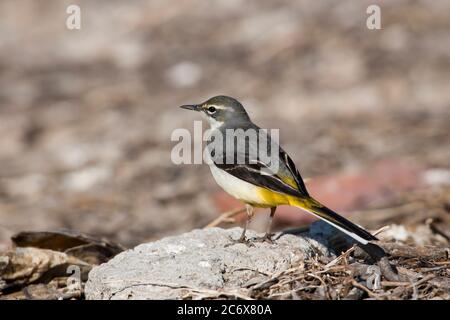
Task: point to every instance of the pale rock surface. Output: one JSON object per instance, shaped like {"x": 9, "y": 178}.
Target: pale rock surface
{"x": 199, "y": 260}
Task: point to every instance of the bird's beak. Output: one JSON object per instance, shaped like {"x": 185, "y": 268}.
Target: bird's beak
{"x": 194, "y": 107}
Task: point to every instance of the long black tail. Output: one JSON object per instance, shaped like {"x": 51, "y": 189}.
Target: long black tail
{"x": 316, "y": 208}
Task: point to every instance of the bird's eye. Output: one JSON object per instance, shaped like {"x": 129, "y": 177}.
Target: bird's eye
{"x": 211, "y": 110}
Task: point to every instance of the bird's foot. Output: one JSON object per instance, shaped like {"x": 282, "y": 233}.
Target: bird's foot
{"x": 242, "y": 239}
{"x": 265, "y": 238}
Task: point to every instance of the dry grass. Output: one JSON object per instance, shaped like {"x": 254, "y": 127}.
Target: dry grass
{"x": 348, "y": 279}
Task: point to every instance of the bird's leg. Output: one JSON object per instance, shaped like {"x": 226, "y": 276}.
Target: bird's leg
{"x": 269, "y": 225}
{"x": 242, "y": 238}
{"x": 250, "y": 214}
{"x": 268, "y": 236}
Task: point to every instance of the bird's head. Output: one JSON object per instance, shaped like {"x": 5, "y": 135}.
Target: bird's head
{"x": 221, "y": 110}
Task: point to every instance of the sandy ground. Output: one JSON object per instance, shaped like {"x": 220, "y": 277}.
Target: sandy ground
{"x": 86, "y": 116}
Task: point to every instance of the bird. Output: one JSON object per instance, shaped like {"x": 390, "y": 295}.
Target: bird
{"x": 253, "y": 181}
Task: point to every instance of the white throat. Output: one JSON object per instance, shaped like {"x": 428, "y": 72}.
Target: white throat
{"x": 214, "y": 124}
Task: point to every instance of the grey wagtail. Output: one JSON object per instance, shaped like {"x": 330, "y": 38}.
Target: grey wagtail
{"x": 245, "y": 182}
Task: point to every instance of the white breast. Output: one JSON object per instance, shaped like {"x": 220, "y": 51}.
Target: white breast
{"x": 238, "y": 188}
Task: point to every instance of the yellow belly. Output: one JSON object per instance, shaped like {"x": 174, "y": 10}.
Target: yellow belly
{"x": 244, "y": 191}
{"x": 273, "y": 199}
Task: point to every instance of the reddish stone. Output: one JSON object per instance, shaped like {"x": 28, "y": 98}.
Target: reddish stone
{"x": 344, "y": 192}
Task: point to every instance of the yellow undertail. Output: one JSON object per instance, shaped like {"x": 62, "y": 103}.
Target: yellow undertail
{"x": 273, "y": 199}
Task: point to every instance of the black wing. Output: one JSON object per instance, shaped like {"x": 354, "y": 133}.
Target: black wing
{"x": 256, "y": 172}
{"x": 248, "y": 166}
{"x": 295, "y": 173}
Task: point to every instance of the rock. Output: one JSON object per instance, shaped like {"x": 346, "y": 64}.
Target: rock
{"x": 198, "y": 261}
{"x": 22, "y": 266}
{"x": 50, "y": 264}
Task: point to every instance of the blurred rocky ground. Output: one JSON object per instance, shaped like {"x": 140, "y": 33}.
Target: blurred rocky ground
{"x": 86, "y": 115}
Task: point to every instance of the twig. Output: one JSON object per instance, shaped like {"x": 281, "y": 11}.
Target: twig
{"x": 442, "y": 262}
{"x": 394, "y": 283}
{"x": 339, "y": 258}
{"x": 382, "y": 229}
{"x": 369, "y": 292}
{"x": 209, "y": 293}
{"x": 423, "y": 280}
{"x": 346, "y": 253}
{"x": 405, "y": 251}
{"x": 325, "y": 287}
{"x": 224, "y": 217}
{"x": 437, "y": 229}
{"x": 250, "y": 269}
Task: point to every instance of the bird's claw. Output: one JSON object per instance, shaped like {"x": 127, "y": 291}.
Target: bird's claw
{"x": 242, "y": 239}
{"x": 265, "y": 238}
